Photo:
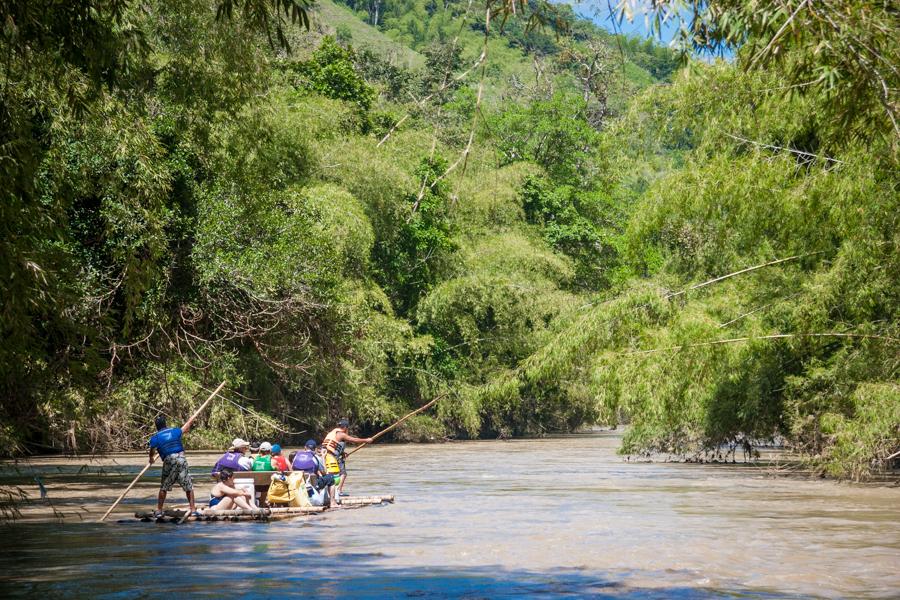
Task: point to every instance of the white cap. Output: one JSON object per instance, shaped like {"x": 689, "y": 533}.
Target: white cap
{"x": 239, "y": 443}
{"x": 265, "y": 447}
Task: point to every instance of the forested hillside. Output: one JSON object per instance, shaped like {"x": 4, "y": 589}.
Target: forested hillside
{"x": 554, "y": 226}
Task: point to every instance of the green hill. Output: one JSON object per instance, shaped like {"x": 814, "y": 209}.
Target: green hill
{"x": 514, "y": 47}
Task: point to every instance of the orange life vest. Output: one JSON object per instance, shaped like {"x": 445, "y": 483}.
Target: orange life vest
{"x": 331, "y": 443}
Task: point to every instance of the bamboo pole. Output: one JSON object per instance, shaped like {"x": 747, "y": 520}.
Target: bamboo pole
{"x": 276, "y": 511}
{"x": 365, "y": 500}
{"x": 774, "y": 336}
{"x": 384, "y": 431}
{"x": 187, "y": 423}
{"x": 252, "y": 512}
{"x": 128, "y": 489}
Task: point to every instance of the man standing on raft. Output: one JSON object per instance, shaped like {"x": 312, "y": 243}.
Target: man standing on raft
{"x": 334, "y": 444}
{"x": 167, "y": 441}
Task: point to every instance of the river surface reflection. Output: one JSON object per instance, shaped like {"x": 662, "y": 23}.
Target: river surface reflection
{"x": 536, "y": 518}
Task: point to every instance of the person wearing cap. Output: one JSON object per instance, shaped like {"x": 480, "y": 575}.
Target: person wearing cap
{"x": 236, "y": 458}
{"x": 167, "y": 442}
{"x": 334, "y": 444}
{"x": 305, "y": 460}
{"x": 311, "y": 462}
{"x": 263, "y": 462}
{"x": 279, "y": 463}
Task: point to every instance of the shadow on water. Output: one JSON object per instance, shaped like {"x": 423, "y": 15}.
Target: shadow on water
{"x": 272, "y": 560}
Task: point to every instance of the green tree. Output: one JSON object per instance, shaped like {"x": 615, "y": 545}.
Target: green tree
{"x": 332, "y": 73}
{"x": 413, "y": 259}
{"x": 844, "y": 53}
{"x": 583, "y": 225}
{"x": 553, "y": 133}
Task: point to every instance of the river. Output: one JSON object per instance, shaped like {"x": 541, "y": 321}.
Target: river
{"x": 535, "y": 518}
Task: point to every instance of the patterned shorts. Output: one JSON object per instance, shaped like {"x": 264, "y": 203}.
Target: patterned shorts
{"x": 175, "y": 470}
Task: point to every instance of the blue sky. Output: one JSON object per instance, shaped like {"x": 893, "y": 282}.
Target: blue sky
{"x": 599, "y": 12}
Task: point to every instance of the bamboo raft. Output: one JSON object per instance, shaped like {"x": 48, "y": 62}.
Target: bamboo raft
{"x": 258, "y": 514}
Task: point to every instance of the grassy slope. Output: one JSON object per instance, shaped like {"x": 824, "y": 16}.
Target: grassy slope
{"x": 504, "y": 62}
{"x": 328, "y": 16}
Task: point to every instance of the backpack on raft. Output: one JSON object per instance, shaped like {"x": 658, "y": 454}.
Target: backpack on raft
{"x": 280, "y": 491}
{"x": 292, "y": 491}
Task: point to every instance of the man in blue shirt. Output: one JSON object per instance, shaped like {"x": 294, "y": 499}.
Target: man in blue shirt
{"x": 167, "y": 441}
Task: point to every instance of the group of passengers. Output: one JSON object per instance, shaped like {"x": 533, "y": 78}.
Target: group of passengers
{"x": 322, "y": 464}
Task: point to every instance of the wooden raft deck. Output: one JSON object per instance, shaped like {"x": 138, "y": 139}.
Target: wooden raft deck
{"x": 259, "y": 514}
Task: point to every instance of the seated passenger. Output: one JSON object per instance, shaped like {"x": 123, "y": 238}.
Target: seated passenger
{"x": 279, "y": 463}
{"x": 306, "y": 460}
{"x": 329, "y": 475}
{"x": 223, "y": 496}
{"x": 319, "y": 496}
{"x": 263, "y": 462}
{"x": 312, "y": 462}
{"x": 236, "y": 458}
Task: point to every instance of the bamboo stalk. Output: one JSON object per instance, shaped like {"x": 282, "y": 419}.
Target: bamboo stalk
{"x": 187, "y": 423}
{"x": 775, "y": 336}
{"x": 384, "y": 431}
{"x": 741, "y": 272}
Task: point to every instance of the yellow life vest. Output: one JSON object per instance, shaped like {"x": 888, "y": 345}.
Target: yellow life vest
{"x": 332, "y": 466}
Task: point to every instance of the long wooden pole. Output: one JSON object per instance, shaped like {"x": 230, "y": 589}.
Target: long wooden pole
{"x": 384, "y": 431}
{"x": 187, "y": 423}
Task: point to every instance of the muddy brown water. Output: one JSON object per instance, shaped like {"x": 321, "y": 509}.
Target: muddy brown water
{"x": 535, "y": 518}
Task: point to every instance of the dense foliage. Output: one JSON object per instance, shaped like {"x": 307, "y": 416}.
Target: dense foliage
{"x": 533, "y": 220}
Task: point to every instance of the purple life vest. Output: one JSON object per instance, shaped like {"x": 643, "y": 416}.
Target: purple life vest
{"x": 230, "y": 460}
{"x": 305, "y": 461}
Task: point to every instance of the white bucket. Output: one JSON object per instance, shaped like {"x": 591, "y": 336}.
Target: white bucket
{"x": 246, "y": 483}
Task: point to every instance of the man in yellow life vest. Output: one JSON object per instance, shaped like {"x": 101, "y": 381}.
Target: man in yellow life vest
{"x": 334, "y": 444}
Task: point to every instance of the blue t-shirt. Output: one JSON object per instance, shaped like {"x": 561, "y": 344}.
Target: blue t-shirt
{"x": 167, "y": 441}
